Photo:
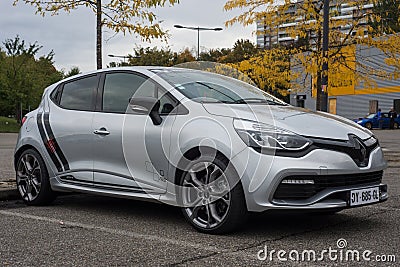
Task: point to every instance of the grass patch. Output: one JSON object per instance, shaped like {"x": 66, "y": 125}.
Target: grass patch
{"x": 8, "y": 125}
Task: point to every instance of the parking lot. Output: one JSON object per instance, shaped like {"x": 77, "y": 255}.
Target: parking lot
{"x": 91, "y": 230}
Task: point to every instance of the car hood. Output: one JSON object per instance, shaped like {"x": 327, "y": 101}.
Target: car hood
{"x": 301, "y": 121}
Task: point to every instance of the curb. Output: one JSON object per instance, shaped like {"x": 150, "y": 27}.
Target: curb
{"x": 9, "y": 194}
{"x": 8, "y": 190}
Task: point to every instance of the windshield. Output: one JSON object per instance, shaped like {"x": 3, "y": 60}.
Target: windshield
{"x": 205, "y": 87}
{"x": 371, "y": 116}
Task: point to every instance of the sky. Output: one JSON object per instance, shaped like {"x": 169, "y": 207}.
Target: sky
{"x": 72, "y": 36}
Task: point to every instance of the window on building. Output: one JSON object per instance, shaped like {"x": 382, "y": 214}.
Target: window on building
{"x": 373, "y": 106}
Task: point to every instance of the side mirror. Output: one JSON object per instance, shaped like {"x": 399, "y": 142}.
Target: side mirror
{"x": 147, "y": 105}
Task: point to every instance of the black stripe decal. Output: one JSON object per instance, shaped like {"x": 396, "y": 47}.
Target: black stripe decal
{"x": 54, "y": 143}
{"x": 47, "y": 144}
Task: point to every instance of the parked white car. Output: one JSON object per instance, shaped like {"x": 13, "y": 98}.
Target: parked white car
{"x": 215, "y": 146}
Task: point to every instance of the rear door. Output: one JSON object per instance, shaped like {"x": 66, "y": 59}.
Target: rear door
{"x": 66, "y": 124}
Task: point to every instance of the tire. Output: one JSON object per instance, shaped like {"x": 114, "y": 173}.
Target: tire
{"x": 368, "y": 125}
{"x": 33, "y": 179}
{"x": 207, "y": 201}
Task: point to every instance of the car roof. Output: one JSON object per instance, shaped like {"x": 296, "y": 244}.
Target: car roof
{"x": 125, "y": 68}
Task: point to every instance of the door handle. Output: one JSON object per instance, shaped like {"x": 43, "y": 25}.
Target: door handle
{"x": 101, "y": 131}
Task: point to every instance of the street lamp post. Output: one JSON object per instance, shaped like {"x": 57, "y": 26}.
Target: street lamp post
{"x": 198, "y": 29}
{"x": 325, "y": 48}
{"x": 124, "y": 57}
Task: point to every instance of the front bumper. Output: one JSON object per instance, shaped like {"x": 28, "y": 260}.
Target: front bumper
{"x": 261, "y": 175}
{"x": 332, "y": 198}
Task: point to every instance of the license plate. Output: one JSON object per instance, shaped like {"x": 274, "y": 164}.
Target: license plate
{"x": 364, "y": 196}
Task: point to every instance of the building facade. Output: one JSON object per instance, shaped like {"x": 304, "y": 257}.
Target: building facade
{"x": 349, "y": 99}
{"x": 346, "y": 97}
{"x": 270, "y": 37}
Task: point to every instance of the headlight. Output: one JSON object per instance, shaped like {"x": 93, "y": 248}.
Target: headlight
{"x": 264, "y": 136}
{"x": 371, "y": 141}
{"x": 359, "y": 122}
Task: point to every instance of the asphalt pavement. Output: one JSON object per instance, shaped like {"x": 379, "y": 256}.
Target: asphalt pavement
{"x": 86, "y": 230}
{"x": 7, "y": 145}
{"x": 7, "y": 174}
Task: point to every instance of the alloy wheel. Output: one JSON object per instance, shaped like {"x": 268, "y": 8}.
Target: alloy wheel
{"x": 29, "y": 175}
{"x": 206, "y": 195}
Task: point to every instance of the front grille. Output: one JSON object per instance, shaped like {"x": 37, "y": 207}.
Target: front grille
{"x": 350, "y": 148}
{"x": 321, "y": 182}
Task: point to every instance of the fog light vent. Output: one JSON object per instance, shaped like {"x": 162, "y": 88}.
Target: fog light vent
{"x": 295, "y": 181}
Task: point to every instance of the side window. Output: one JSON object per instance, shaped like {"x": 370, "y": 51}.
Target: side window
{"x": 167, "y": 103}
{"x": 55, "y": 95}
{"x": 120, "y": 87}
{"x": 78, "y": 94}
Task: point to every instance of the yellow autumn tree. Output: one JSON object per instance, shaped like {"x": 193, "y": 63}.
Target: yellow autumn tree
{"x": 126, "y": 16}
{"x": 302, "y": 22}
{"x": 390, "y": 45}
{"x": 270, "y": 70}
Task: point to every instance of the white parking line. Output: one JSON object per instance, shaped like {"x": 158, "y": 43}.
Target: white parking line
{"x": 131, "y": 234}
{"x": 155, "y": 238}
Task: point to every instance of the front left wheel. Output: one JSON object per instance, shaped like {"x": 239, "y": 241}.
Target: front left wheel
{"x": 33, "y": 179}
{"x": 212, "y": 196}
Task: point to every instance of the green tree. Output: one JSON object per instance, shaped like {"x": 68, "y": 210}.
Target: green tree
{"x": 151, "y": 57}
{"x": 215, "y": 55}
{"x": 242, "y": 50}
{"x": 155, "y": 57}
{"x": 183, "y": 57}
{"x": 72, "y": 72}
{"x": 23, "y": 77}
{"x": 126, "y": 16}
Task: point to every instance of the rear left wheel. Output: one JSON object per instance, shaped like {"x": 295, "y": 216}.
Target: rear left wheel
{"x": 212, "y": 197}
{"x": 33, "y": 180}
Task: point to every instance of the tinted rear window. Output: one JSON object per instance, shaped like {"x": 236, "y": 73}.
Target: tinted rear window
{"x": 78, "y": 94}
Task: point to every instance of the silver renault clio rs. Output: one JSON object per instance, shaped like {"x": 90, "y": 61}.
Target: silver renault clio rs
{"x": 215, "y": 146}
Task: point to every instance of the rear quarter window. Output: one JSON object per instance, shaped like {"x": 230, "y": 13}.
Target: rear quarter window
{"x": 78, "y": 94}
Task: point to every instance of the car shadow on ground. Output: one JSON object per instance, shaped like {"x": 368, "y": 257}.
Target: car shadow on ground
{"x": 272, "y": 223}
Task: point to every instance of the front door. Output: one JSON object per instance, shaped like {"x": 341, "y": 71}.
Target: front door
{"x": 124, "y": 142}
